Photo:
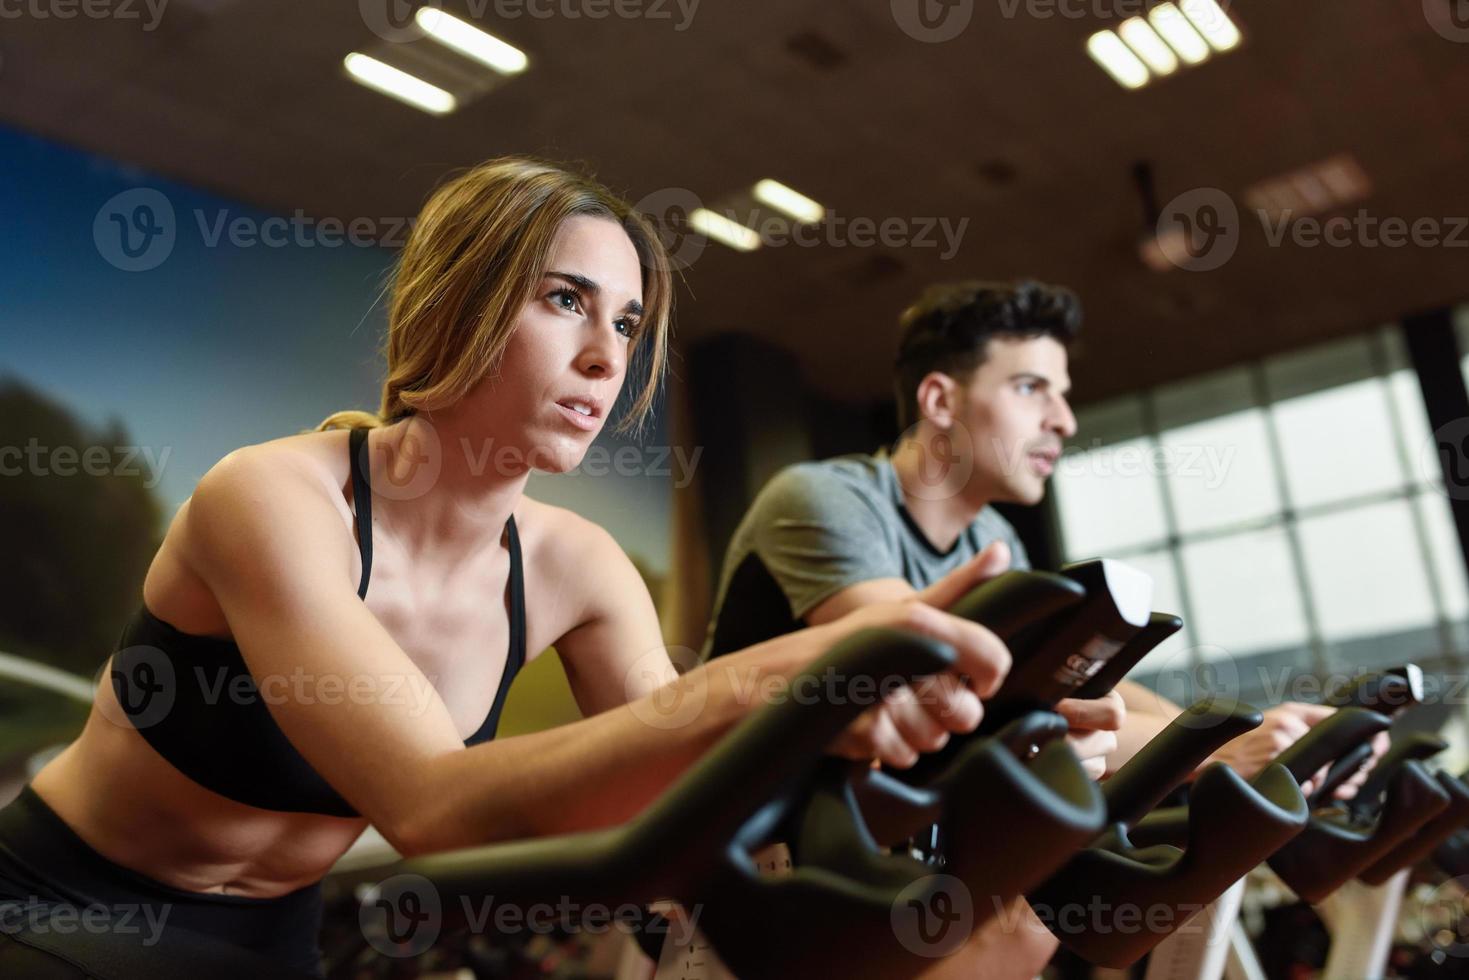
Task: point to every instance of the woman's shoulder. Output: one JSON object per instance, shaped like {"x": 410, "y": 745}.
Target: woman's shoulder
{"x": 559, "y": 538}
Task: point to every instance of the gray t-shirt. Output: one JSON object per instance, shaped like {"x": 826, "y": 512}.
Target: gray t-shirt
{"x": 817, "y": 528}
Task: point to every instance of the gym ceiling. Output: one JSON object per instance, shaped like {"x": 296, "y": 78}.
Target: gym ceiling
{"x": 1010, "y": 125}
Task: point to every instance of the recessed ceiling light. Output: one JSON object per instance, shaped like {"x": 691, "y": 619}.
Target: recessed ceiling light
{"x": 1179, "y": 33}
{"x": 1212, "y": 22}
{"x": 1117, "y": 59}
{"x": 1148, "y": 45}
{"x": 789, "y": 202}
{"x": 724, "y": 230}
{"x": 470, "y": 41}
{"x": 397, "y": 84}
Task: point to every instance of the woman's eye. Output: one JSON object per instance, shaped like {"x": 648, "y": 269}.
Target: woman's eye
{"x": 628, "y": 328}
{"x": 565, "y": 299}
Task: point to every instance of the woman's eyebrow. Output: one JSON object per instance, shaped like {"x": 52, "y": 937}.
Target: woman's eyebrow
{"x": 586, "y": 285}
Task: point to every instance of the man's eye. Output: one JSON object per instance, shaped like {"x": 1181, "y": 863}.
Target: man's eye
{"x": 1026, "y": 387}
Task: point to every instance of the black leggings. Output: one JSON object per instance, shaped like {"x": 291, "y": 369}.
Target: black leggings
{"x": 68, "y": 912}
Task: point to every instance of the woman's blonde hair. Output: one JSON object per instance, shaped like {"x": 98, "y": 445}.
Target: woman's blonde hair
{"x": 475, "y": 256}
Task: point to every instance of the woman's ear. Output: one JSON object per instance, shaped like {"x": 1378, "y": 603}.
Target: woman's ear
{"x": 937, "y": 399}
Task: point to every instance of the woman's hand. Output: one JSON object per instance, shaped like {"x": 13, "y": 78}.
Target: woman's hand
{"x": 920, "y": 717}
{"x": 1093, "y": 723}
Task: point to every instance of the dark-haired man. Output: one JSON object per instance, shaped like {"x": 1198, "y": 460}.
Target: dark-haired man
{"x": 981, "y": 383}
{"x": 981, "y": 379}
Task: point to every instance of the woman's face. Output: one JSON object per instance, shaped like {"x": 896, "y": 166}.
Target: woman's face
{"x": 567, "y": 359}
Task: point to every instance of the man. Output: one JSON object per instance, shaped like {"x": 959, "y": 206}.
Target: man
{"x": 981, "y": 380}
{"x": 981, "y": 384}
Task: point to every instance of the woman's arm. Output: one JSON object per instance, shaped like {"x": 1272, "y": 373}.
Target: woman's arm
{"x": 612, "y": 649}
{"x": 270, "y": 545}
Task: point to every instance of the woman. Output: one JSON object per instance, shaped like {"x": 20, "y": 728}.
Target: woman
{"x": 315, "y": 649}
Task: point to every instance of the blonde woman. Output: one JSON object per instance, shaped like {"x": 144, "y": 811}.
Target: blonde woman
{"x": 328, "y": 629}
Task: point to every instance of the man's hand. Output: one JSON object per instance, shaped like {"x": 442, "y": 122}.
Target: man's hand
{"x": 1284, "y": 724}
{"x": 973, "y": 573}
{"x": 1093, "y": 723}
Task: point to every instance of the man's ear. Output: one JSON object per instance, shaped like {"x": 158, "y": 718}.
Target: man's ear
{"x": 938, "y": 399}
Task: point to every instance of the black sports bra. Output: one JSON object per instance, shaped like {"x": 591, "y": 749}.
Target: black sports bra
{"x": 193, "y": 699}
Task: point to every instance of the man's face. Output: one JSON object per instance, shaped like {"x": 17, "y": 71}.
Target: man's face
{"x": 1015, "y": 413}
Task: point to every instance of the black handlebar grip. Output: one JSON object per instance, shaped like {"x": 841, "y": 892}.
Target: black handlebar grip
{"x": 1172, "y": 755}
{"x": 1427, "y": 838}
{"x": 1330, "y": 739}
{"x": 1160, "y": 627}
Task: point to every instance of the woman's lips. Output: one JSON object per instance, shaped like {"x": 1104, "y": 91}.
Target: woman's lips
{"x": 587, "y": 423}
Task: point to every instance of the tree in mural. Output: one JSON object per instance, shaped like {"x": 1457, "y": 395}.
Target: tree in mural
{"x": 80, "y": 525}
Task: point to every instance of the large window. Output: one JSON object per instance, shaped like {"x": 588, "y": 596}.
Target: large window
{"x": 1291, "y": 511}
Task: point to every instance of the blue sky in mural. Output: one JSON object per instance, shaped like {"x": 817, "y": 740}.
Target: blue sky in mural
{"x": 141, "y": 308}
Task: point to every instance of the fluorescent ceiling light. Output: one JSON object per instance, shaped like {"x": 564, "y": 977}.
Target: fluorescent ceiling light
{"x": 1179, "y": 33}
{"x": 398, "y": 84}
{"x": 722, "y": 229}
{"x": 1212, "y": 22}
{"x": 470, "y": 41}
{"x": 1148, "y": 45}
{"x": 789, "y": 202}
{"x": 1117, "y": 59}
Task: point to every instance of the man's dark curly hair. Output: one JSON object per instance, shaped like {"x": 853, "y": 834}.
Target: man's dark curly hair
{"x": 949, "y": 328}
